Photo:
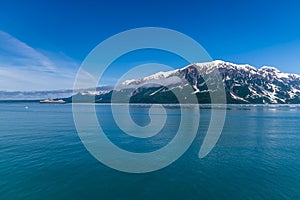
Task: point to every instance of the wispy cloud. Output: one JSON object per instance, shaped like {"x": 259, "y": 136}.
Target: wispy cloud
{"x": 23, "y": 67}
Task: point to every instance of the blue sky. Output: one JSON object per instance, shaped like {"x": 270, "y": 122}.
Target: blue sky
{"x": 42, "y": 43}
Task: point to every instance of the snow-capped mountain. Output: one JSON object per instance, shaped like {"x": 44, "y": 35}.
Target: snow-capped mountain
{"x": 242, "y": 83}
{"x": 34, "y": 95}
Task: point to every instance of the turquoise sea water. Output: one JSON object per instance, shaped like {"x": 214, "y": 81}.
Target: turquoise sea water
{"x": 256, "y": 157}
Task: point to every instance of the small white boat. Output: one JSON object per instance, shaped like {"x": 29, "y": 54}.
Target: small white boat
{"x": 60, "y": 101}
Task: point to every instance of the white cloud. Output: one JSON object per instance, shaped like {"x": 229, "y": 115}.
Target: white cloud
{"x": 25, "y": 68}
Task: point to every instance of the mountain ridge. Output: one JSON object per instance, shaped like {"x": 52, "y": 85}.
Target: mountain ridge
{"x": 243, "y": 84}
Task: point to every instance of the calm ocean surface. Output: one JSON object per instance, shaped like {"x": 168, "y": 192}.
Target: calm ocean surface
{"x": 256, "y": 157}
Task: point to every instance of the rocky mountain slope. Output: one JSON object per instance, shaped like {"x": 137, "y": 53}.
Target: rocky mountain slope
{"x": 244, "y": 84}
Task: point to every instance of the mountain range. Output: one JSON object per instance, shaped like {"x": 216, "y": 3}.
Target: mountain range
{"x": 243, "y": 84}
